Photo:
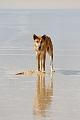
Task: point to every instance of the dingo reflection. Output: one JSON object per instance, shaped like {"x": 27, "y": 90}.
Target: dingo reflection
{"x": 43, "y": 95}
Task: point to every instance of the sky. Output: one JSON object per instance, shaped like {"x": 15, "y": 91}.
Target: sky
{"x": 39, "y": 4}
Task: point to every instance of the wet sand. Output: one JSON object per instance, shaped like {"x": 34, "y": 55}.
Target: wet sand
{"x": 39, "y": 95}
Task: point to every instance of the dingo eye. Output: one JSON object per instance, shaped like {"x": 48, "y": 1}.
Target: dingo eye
{"x": 37, "y": 41}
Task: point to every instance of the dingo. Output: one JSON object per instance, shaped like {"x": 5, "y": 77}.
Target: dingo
{"x": 41, "y": 45}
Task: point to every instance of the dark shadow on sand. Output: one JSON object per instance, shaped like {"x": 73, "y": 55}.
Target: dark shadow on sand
{"x": 69, "y": 72}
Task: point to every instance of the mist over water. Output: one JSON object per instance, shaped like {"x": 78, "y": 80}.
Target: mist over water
{"x": 39, "y": 96}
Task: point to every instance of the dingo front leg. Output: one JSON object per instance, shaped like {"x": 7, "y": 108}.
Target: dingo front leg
{"x": 38, "y": 59}
{"x": 43, "y": 63}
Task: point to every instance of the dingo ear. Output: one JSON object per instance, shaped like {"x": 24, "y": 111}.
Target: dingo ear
{"x": 34, "y": 37}
{"x": 43, "y": 37}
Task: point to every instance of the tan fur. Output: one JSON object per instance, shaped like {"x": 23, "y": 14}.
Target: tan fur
{"x": 43, "y": 44}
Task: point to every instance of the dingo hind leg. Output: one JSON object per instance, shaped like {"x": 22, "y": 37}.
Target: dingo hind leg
{"x": 51, "y": 62}
{"x": 50, "y": 52}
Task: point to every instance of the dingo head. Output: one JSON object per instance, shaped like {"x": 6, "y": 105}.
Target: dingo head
{"x": 39, "y": 42}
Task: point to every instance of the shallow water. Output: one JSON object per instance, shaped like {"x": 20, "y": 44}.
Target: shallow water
{"x": 39, "y": 96}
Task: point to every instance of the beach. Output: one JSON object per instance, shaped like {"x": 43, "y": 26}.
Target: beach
{"x": 33, "y": 96}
